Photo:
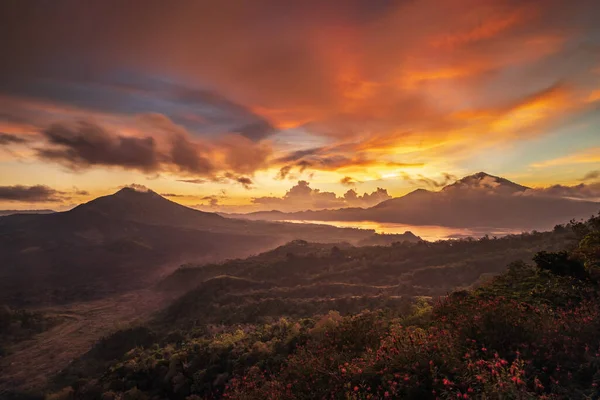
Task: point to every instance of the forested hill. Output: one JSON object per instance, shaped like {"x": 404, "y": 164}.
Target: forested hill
{"x": 423, "y": 268}
{"x": 530, "y": 332}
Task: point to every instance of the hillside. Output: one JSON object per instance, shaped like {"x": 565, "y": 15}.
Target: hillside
{"x": 300, "y": 278}
{"x": 147, "y": 207}
{"x": 531, "y": 332}
{"x": 126, "y": 241}
{"x": 479, "y": 200}
{"x": 11, "y": 212}
{"x": 303, "y": 263}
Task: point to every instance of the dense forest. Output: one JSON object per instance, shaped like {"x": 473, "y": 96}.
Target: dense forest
{"x": 528, "y": 332}
{"x": 407, "y": 268}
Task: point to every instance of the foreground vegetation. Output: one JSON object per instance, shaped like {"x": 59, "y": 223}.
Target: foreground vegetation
{"x": 531, "y": 332}
{"x": 19, "y": 325}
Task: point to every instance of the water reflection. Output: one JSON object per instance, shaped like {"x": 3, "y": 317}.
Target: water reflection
{"x": 427, "y": 232}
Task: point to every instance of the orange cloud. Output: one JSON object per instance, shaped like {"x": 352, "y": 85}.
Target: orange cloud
{"x": 287, "y": 118}
{"x": 588, "y": 156}
{"x": 487, "y": 28}
{"x": 384, "y": 83}
{"x": 533, "y": 111}
{"x": 594, "y": 96}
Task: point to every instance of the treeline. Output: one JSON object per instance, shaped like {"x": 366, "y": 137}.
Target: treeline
{"x": 428, "y": 268}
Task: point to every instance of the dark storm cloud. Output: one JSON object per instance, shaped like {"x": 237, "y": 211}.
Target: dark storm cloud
{"x": 173, "y": 195}
{"x": 30, "y": 194}
{"x": 242, "y": 180}
{"x": 283, "y": 172}
{"x": 348, "y": 181}
{"x": 7, "y": 138}
{"x": 444, "y": 180}
{"x": 184, "y": 154}
{"x": 202, "y": 112}
{"x": 245, "y": 181}
{"x": 591, "y": 176}
{"x": 300, "y": 154}
{"x": 213, "y": 200}
{"x": 88, "y": 144}
{"x": 228, "y": 177}
{"x": 81, "y": 192}
{"x": 197, "y": 181}
{"x": 331, "y": 158}
{"x": 256, "y": 130}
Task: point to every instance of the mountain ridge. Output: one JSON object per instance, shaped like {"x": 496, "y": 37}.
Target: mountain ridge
{"x": 4, "y": 213}
{"x": 477, "y": 200}
{"x": 147, "y": 207}
{"x": 125, "y": 240}
{"x": 483, "y": 180}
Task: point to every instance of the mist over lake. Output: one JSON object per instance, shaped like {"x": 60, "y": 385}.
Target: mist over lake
{"x": 426, "y": 232}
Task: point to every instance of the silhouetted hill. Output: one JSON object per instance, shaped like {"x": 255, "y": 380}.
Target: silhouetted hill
{"x": 125, "y": 241}
{"x": 406, "y": 268}
{"x": 479, "y": 200}
{"x": 11, "y": 212}
{"x": 482, "y": 200}
{"x": 147, "y": 207}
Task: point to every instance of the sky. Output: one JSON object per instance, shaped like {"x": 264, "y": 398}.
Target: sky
{"x": 240, "y": 105}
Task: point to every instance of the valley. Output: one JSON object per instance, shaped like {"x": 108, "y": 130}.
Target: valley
{"x": 126, "y": 273}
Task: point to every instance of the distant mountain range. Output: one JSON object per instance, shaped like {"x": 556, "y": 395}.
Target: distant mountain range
{"x": 479, "y": 200}
{"x": 11, "y": 212}
{"x": 127, "y": 240}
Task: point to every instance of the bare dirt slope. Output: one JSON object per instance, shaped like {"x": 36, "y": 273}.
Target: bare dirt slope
{"x": 31, "y": 363}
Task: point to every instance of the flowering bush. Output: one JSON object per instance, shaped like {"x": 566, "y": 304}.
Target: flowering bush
{"x": 531, "y": 333}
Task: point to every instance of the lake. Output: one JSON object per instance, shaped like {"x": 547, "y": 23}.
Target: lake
{"x": 426, "y": 232}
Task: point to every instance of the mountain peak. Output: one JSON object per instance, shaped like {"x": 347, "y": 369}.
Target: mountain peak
{"x": 487, "y": 182}
{"x": 134, "y": 190}
{"x": 419, "y": 192}
{"x": 481, "y": 175}
{"x": 138, "y": 203}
